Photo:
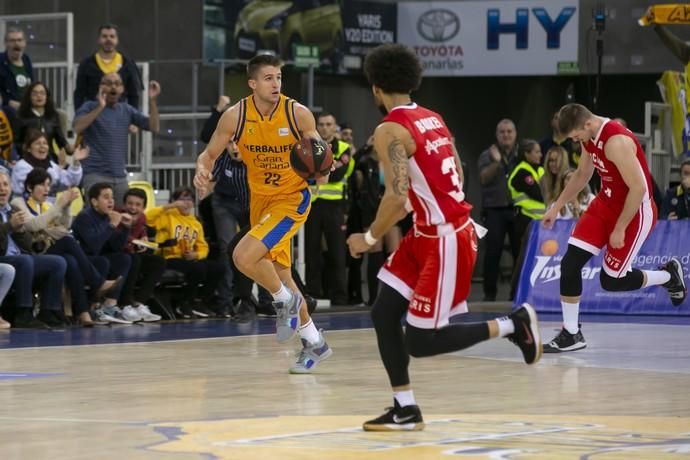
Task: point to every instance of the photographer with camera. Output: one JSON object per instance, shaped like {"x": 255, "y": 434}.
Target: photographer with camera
{"x": 676, "y": 204}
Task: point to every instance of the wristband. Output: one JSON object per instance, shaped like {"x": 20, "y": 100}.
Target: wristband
{"x": 369, "y": 238}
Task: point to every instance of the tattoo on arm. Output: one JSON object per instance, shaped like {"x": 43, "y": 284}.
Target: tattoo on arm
{"x": 398, "y": 159}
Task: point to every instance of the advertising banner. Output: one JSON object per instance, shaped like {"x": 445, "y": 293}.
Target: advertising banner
{"x": 368, "y": 24}
{"x": 483, "y": 38}
{"x": 541, "y": 272}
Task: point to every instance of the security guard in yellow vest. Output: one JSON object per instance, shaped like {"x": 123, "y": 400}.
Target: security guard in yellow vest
{"x": 525, "y": 190}
{"x": 327, "y": 219}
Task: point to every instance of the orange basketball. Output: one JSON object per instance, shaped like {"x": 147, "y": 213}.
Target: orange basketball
{"x": 549, "y": 247}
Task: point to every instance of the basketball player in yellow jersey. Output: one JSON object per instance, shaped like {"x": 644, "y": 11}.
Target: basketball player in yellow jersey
{"x": 265, "y": 126}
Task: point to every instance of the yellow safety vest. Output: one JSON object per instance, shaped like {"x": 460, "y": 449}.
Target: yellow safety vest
{"x": 335, "y": 190}
{"x": 529, "y": 207}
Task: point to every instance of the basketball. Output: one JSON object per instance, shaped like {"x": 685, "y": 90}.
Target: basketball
{"x": 549, "y": 247}
{"x": 311, "y": 158}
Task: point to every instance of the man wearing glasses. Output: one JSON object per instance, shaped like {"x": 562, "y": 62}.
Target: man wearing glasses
{"x": 104, "y": 124}
{"x": 16, "y": 72}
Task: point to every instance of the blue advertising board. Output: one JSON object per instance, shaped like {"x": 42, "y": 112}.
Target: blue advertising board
{"x": 541, "y": 272}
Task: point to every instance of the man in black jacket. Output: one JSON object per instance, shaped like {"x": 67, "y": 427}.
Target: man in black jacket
{"x": 107, "y": 60}
{"x": 16, "y": 71}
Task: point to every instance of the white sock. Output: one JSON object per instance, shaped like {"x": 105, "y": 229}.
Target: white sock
{"x": 656, "y": 277}
{"x": 309, "y": 333}
{"x": 283, "y": 294}
{"x": 404, "y": 398}
{"x": 571, "y": 315}
{"x": 505, "y": 326}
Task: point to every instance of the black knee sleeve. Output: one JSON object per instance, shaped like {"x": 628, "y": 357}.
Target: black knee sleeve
{"x": 630, "y": 282}
{"x": 387, "y": 314}
{"x": 571, "y": 271}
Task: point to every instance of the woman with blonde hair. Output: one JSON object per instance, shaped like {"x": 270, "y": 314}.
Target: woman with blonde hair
{"x": 555, "y": 165}
{"x": 578, "y": 205}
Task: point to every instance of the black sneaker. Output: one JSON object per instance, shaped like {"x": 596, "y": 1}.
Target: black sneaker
{"x": 184, "y": 311}
{"x": 396, "y": 418}
{"x": 245, "y": 312}
{"x": 526, "y": 335}
{"x": 311, "y": 303}
{"x": 266, "y": 309}
{"x": 223, "y": 311}
{"x": 676, "y": 285}
{"x": 202, "y": 311}
{"x": 24, "y": 319}
{"x": 52, "y": 318}
{"x": 565, "y": 341}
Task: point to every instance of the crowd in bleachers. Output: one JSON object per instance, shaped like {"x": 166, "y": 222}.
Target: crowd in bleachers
{"x": 78, "y": 245}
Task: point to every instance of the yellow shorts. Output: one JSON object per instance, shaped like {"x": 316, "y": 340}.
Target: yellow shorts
{"x": 275, "y": 219}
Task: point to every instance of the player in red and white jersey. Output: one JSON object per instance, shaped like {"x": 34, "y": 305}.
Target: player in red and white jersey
{"x": 428, "y": 278}
{"x": 621, "y": 217}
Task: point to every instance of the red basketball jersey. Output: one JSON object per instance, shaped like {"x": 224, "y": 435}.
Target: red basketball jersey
{"x": 435, "y": 186}
{"x": 613, "y": 188}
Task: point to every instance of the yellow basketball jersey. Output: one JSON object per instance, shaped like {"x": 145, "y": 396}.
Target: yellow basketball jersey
{"x": 265, "y": 144}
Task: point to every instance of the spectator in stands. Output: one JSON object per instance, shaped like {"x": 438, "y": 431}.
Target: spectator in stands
{"x": 6, "y": 280}
{"x": 578, "y": 205}
{"x": 327, "y": 220}
{"x": 676, "y": 204}
{"x": 36, "y": 150}
{"x": 50, "y": 229}
{"x": 37, "y": 112}
{"x": 366, "y": 192}
{"x": 16, "y": 71}
{"x": 346, "y": 135}
{"x": 8, "y": 154}
{"x": 146, "y": 269}
{"x": 229, "y": 202}
{"x": 525, "y": 191}
{"x": 524, "y": 187}
{"x": 498, "y": 214}
{"x": 47, "y": 270}
{"x": 556, "y": 139}
{"x": 103, "y": 239}
{"x": 176, "y": 222}
{"x": 556, "y": 164}
{"x": 107, "y": 60}
{"x": 104, "y": 123}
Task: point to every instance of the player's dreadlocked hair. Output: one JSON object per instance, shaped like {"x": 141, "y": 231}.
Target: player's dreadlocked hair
{"x": 572, "y": 116}
{"x": 393, "y": 68}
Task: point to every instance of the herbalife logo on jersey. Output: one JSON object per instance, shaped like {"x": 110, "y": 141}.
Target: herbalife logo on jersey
{"x": 548, "y": 269}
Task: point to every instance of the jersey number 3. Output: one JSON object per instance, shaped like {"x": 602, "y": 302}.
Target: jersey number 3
{"x": 448, "y": 167}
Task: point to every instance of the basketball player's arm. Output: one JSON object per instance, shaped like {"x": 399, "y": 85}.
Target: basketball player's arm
{"x": 222, "y": 136}
{"x": 306, "y": 124}
{"x": 621, "y": 151}
{"x": 458, "y": 163}
{"x": 578, "y": 180}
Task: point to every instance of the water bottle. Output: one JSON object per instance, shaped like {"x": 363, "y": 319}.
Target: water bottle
{"x": 179, "y": 149}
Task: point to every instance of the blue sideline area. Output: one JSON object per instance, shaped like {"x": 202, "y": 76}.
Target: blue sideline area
{"x": 200, "y": 329}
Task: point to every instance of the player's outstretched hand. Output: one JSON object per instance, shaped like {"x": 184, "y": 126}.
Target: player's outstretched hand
{"x": 549, "y": 217}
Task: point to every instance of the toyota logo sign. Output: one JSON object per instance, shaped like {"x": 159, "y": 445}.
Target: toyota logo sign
{"x": 438, "y": 25}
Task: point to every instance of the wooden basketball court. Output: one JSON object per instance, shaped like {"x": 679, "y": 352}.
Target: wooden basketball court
{"x": 215, "y": 389}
